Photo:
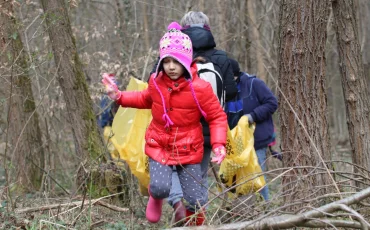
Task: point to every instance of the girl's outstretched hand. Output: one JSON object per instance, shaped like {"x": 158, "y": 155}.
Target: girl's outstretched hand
{"x": 110, "y": 86}
{"x": 220, "y": 153}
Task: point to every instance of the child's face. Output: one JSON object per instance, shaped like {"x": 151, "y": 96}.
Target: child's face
{"x": 173, "y": 68}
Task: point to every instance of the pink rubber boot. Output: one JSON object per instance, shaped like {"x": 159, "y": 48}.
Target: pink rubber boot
{"x": 154, "y": 209}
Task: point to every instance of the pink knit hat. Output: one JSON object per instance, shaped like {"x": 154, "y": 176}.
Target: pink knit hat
{"x": 177, "y": 45}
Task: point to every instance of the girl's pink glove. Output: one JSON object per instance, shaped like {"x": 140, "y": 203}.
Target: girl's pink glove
{"x": 111, "y": 87}
{"x": 220, "y": 153}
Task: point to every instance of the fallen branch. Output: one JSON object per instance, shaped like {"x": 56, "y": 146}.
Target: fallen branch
{"x": 306, "y": 219}
{"x": 98, "y": 224}
{"x": 112, "y": 207}
{"x": 324, "y": 223}
{"x": 71, "y": 204}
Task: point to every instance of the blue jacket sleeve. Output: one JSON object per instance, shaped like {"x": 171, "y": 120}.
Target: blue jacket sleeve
{"x": 267, "y": 100}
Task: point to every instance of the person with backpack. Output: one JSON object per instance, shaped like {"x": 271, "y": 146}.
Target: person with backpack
{"x": 178, "y": 99}
{"x": 196, "y": 25}
{"x": 258, "y": 104}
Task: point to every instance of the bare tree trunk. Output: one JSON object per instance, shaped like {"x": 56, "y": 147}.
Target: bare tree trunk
{"x": 302, "y": 101}
{"x": 145, "y": 27}
{"x": 201, "y": 5}
{"x": 261, "y": 73}
{"x": 243, "y": 54}
{"x": 222, "y": 23}
{"x": 26, "y": 148}
{"x": 88, "y": 142}
{"x": 247, "y": 44}
{"x": 335, "y": 95}
{"x": 353, "y": 82}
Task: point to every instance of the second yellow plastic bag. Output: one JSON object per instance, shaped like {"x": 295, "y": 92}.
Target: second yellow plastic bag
{"x": 240, "y": 166}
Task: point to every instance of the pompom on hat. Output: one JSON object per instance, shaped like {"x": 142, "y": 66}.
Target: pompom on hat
{"x": 177, "y": 45}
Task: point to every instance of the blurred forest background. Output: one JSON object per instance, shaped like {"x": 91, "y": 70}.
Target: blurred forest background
{"x": 51, "y": 66}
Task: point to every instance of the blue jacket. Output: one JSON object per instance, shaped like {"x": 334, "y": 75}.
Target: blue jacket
{"x": 260, "y": 103}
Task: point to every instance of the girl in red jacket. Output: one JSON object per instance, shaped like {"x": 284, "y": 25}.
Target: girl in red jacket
{"x": 178, "y": 99}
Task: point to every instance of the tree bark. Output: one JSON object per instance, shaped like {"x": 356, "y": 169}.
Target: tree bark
{"x": 353, "y": 82}
{"x": 244, "y": 57}
{"x": 302, "y": 100}
{"x": 26, "y": 148}
{"x": 222, "y": 22}
{"x": 145, "y": 27}
{"x": 256, "y": 40}
{"x": 88, "y": 142}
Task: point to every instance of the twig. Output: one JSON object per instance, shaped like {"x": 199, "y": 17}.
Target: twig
{"x": 146, "y": 64}
{"x": 81, "y": 209}
{"x": 97, "y": 224}
{"x": 48, "y": 222}
{"x": 361, "y": 219}
{"x": 48, "y": 207}
{"x": 76, "y": 203}
{"x": 91, "y": 202}
{"x": 48, "y": 175}
{"x": 112, "y": 207}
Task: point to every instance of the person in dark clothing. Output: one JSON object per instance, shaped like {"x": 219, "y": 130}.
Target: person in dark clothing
{"x": 196, "y": 25}
{"x": 107, "y": 110}
{"x": 259, "y": 104}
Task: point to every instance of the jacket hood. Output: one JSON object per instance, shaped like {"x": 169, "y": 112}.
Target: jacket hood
{"x": 248, "y": 76}
{"x": 200, "y": 37}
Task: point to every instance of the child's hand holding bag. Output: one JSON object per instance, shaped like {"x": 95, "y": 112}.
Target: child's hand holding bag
{"x": 111, "y": 87}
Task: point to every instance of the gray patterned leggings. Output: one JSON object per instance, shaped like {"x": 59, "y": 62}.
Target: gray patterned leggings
{"x": 190, "y": 180}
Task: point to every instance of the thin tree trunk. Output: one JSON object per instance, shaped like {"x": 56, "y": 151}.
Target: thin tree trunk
{"x": 26, "y": 148}
{"x": 248, "y": 42}
{"x": 302, "y": 101}
{"x": 243, "y": 54}
{"x": 222, "y": 23}
{"x": 88, "y": 142}
{"x": 145, "y": 27}
{"x": 353, "y": 82}
{"x": 256, "y": 38}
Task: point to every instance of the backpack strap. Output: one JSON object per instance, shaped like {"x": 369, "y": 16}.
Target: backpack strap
{"x": 209, "y": 70}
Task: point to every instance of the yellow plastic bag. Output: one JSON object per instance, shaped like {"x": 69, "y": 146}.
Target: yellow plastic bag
{"x": 128, "y": 137}
{"x": 240, "y": 166}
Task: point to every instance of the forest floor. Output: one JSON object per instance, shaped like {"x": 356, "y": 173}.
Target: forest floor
{"x": 51, "y": 210}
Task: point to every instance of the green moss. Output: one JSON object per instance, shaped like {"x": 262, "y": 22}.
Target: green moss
{"x": 94, "y": 144}
{"x": 29, "y": 106}
{"x": 96, "y": 191}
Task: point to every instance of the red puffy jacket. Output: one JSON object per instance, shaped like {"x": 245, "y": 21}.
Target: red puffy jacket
{"x": 182, "y": 143}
